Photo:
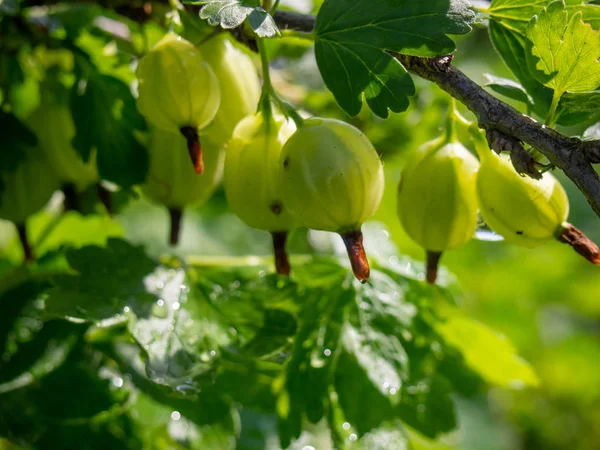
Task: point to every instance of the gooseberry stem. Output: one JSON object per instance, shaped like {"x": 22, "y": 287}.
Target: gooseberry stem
{"x": 451, "y": 121}
{"x": 551, "y": 118}
{"x": 274, "y": 7}
{"x": 282, "y": 263}
{"x": 353, "y": 240}
{"x": 176, "y": 214}
{"x": 580, "y": 243}
{"x": 194, "y": 148}
{"x": 268, "y": 92}
{"x": 433, "y": 262}
{"x": 480, "y": 142}
{"x": 27, "y": 249}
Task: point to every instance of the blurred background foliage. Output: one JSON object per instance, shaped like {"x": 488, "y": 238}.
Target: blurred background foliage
{"x": 546, "y": 301}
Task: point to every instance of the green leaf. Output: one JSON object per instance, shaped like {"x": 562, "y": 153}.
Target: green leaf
{"x": 247, "y": 381}
{"x": 51, "y": 416}
{"x": 309, "y": 371}
{"x": 105, "y": 280}
{"x": 156, "y": 421}
{"x": 516, "y": 14}
{"x": 38, "y": 349}
{"x": 106, "y": 118}
{"x": 512, "y": 48}
{"x": 381, "y": 357}
{"x": 376, "y": 318}
{"x": 490, "y": 355}
{"x": 353, "y": 36}
{"x": 17, "y": 139}
{"x": 181, "y": 319}
{"x": 508, "y": 32}
{"x": 509, "y": 88}
{"x": 354, "y": 347}
{"x": 564, "y": 50}
{"x": 206, "y": 408}
{"x": 13, "y": 302}
{"x": 232, "y": 13}
{"x": 577, "y": 107}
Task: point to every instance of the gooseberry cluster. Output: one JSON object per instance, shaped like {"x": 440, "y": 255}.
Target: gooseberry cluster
{"x": 443, "y": 188}
{"x": 279, "y": 174}
{"x": 281, "y": 171}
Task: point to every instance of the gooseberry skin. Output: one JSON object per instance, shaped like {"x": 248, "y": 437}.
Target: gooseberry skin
{"x": 239, "y": 83}
{"x": 332, "y": 177}
{"x": 524, "y": 211}
{"x": 252, "y": 182}
{"x": 437, "y": 203}
{"x": 55, "y": 131}
{"x": 172, "y": 181}
{"x": 177, "y": 88}
{"x": 28, "y": 188}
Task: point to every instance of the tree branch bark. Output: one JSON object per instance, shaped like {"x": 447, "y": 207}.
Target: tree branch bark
{"x": 573, "y": 156}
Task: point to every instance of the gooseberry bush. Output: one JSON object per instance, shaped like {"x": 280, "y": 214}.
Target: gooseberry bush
{"x": 334, "y": 339}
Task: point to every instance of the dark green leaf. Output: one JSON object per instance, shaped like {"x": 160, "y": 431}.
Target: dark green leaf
{"x": 105, "y": 281}
{"x": 38, "y": 349}
{"x": 309, "y": 371}
{"x": 354, "y": 391}
{"x": 106, "y": 118}
{"x": 11, "y": 72}
{"x": 511, "y": 46}
{"x": 16, "y": 140}
{"x": 56, "y": 415}
{"x": 181, "y": 320}
{"x": 13, "y": 302}
{"x": 428, "y": 407}
{"x": 352, "y": 37}
{"x": 580, "y": 103}
{"x": 202, "y": 421}
{"x": 247, "y": 381}
{"x": 509, "y": 88}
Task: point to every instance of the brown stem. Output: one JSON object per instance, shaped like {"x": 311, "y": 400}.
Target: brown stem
{"x": 194, "y": 148}
{"x": 282, "y": 263}
{"x": 356, "y": 252}
{"x": 27, "y": 249}
{"x": 105, "y": 197}
{"x": 176, "y": 215}
{"x": 433, "y": 261}
{"x": 72, "y": 202}
{"x": 580, "y": 243}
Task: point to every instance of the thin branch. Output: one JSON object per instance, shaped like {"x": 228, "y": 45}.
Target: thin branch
{"x": 492, "y": 114}
{"x": 573, "y": 156}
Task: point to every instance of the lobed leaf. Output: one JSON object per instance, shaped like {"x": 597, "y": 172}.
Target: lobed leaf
{"x": 353, "y": 36}
{"x": 508, "y": 31}
{"x": 232, "y": 13}
{"x": 16, "y": 140}
{"x": 564, "y": 50}
{"x": 485, "y": 352}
